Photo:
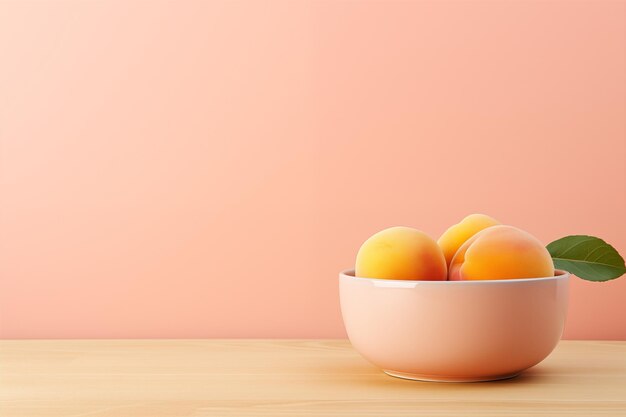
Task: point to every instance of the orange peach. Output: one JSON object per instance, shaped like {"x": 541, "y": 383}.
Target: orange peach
{"x": 452, "y": 239}
{"x": 401, "y": 253}
{"x": 501, "y": 252}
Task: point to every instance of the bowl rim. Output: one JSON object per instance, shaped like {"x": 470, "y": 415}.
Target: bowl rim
{"x": 559, "y": 274}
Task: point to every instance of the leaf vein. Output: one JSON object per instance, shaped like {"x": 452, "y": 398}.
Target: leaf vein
{"x": 589, "y": 254}
{"x": 576, "y": 261}
{"x": 577, "y": 244}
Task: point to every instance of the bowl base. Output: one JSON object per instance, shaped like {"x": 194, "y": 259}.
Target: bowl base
{"x": 441, "y": 378}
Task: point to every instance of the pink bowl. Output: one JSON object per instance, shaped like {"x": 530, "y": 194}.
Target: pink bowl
{"x": 454, "y": 331}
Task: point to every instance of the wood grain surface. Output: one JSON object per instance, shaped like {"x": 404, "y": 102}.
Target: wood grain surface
{"x": 167, "y": 378}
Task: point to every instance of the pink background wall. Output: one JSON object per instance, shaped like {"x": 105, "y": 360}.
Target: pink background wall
{"x": 204, "y": 169}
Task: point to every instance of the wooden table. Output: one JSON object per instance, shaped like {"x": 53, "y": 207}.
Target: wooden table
{"x": 154, "y": 378}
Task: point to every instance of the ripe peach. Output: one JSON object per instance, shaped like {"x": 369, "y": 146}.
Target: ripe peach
{"x": 501, "y": 252}
{"x": 401, "y": 253}
{"x": 452, "y": 239}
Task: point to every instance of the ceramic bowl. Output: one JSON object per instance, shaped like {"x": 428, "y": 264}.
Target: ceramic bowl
{"x": 454, "y": 330}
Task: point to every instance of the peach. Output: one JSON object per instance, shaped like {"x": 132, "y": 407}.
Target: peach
{"x": 401, "y": 253}
{"x": 452, "y": 239}
{"x": 501, "y": 252}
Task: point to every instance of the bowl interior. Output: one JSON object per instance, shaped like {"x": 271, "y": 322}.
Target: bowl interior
{"x": 394, "y": 283}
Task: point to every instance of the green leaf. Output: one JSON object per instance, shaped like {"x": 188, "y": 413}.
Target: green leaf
{"x": 587, "y": 257}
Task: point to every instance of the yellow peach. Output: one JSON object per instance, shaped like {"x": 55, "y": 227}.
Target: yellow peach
{"x": 452, "y": 239}
{"x": 501, "y": 252}
{"x": 401, "y": 253}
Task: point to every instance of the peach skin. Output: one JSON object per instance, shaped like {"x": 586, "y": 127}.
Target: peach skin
{"x": 501, "y": 252}
{"x": 401, "y": 253}
{"x": 452, "y": 239}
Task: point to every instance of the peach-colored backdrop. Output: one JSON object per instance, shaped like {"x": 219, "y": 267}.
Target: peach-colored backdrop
{"x": 204, "y": 169}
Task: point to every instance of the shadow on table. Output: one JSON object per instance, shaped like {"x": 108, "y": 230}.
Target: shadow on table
{"x": 372, "y": 376}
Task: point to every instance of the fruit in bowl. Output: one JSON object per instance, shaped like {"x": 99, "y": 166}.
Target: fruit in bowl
{"x": 452, "y": 239}
{"x": 401, "y": 253}
{"x": 501, "y": 252}
{"x": 490, "y": 310}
